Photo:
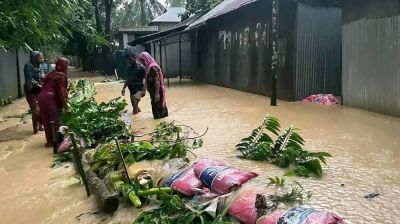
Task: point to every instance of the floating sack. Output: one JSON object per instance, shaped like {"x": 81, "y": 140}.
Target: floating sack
{"x": 325, "y": 99}
{"x": 301, "y": 216}
{"x": 219, "y": 178}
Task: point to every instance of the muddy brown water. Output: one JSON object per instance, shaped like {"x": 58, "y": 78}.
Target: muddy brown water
{"x": 365, "y": 148}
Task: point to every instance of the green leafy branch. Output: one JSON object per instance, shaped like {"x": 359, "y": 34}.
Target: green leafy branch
{"x": 290, "y": 195}
{"x": 286, "y": 151}
{"x": 90, "y": 120}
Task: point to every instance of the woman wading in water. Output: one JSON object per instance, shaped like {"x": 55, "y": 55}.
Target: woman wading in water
{"x": 53, "y": 98}
{"x": 154, "y": 82}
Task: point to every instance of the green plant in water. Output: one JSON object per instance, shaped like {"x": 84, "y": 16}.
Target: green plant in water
{"x": 107, "y": 158}
{"x": 286, "y": 151}
{"x": 60, "y": 159}
{"x": 280, "y": 182}
{"x": 173, "y": 210}
{"x": 80, "y": 91}
{"x": 289, "y": 196}
{"x": 93, "y": 121}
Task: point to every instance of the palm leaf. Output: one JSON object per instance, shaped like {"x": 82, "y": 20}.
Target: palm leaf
{"x": 289, "y": 138}
{"x": 272, "y": 124}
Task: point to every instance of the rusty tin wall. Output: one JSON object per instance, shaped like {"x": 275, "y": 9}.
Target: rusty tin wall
{"x": 371, "y": 68}
{"x": 234, "y": 50}
{"x": 318, "y": 46}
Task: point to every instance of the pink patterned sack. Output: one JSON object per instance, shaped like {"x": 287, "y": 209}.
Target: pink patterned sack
{"x": 243, "y": 208}
{"x": 185, "y": 182}
{"x": 301, "y": 216}
{"x": 325, "y": 99}
{"x": 67, "y": 143}
{"x": 219, "y": 178}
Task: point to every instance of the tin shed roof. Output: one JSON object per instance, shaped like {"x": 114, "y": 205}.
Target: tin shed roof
{"x": 223, "y": 8}
{"x": 174, "y": 29}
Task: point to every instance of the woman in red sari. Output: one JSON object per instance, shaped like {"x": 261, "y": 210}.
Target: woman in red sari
{"x": 154, "y": 82}
{"x": 53, "y": 98}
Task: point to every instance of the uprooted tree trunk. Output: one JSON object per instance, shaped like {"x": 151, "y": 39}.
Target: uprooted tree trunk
{"x": 108, "y": 202}
{"x": 107, "y": 54}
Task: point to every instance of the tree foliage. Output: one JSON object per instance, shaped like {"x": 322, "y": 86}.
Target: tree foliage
{"x": 34, "y": 24}
{"x": 194, "y": 7}
{"x": 286, "y": 151}
{"x": 130, "y": 14}
{"x": 175, "y": 3}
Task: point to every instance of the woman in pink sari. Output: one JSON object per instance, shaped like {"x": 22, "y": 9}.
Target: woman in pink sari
{"x": 154, "y": 82}
{"x": 53, "y": 98}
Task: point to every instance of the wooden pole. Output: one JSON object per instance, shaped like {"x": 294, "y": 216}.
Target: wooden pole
{"x": 78, "y": 163}
{"x": 180, "y": 58}
{"x": 18, "y": 76}
{"x": 55, "y": 142}
{"x": 274, "y": 63}
{"x": 160, "y": 50}
{"x": 154, "y": 50}
{"x": 166, "y": 64}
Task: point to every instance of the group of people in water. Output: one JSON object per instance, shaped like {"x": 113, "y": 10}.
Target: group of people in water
{"x": 47, "y": 94}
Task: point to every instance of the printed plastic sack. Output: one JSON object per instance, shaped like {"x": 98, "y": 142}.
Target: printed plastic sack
{"x": 185, "y": 182}
{"x": 67, "y": 143}
{"x": 219, "y": 178}
{"x": 301, "y": 216}
{"x": 325, "y": 99}
{"x": 156, "y": 170}
{"x": 243, "y": 206}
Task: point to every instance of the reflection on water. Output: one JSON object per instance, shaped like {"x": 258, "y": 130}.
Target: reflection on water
{"x": 365, "y": 148}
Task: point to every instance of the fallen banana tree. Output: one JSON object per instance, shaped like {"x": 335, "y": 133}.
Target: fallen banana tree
{"x": 106, "y": 165}
{"x": 91, "y": 121}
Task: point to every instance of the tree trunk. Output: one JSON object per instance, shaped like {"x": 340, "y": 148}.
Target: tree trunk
{"x": 108, "y": 202}
{"x": 107, "y": 54}
{"x": 99, "y": 28}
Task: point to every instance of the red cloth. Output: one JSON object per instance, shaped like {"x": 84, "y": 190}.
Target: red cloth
{"x": 150, "y": 63}
{"x": 53, "y": 97}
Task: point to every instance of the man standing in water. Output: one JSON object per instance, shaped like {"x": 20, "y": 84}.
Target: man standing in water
{"x": 135, "y": 82}
{"x": 34, "y": 76}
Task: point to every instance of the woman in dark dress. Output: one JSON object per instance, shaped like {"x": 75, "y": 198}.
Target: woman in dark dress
{"x": 154, "y": 83}
{"x": 53, "y": 98}
{"x": 33, "y": 84}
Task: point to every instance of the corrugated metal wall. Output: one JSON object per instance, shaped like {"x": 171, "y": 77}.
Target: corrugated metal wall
{"x": 318, "y": 58}
{"x": 8, "y": 72}
{"x": 170, "y": 55}
{"x": 371, "y": 68}
{"x": 235, "y": 52}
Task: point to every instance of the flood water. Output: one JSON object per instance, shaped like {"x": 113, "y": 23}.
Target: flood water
{"x": 365, "y": 148}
